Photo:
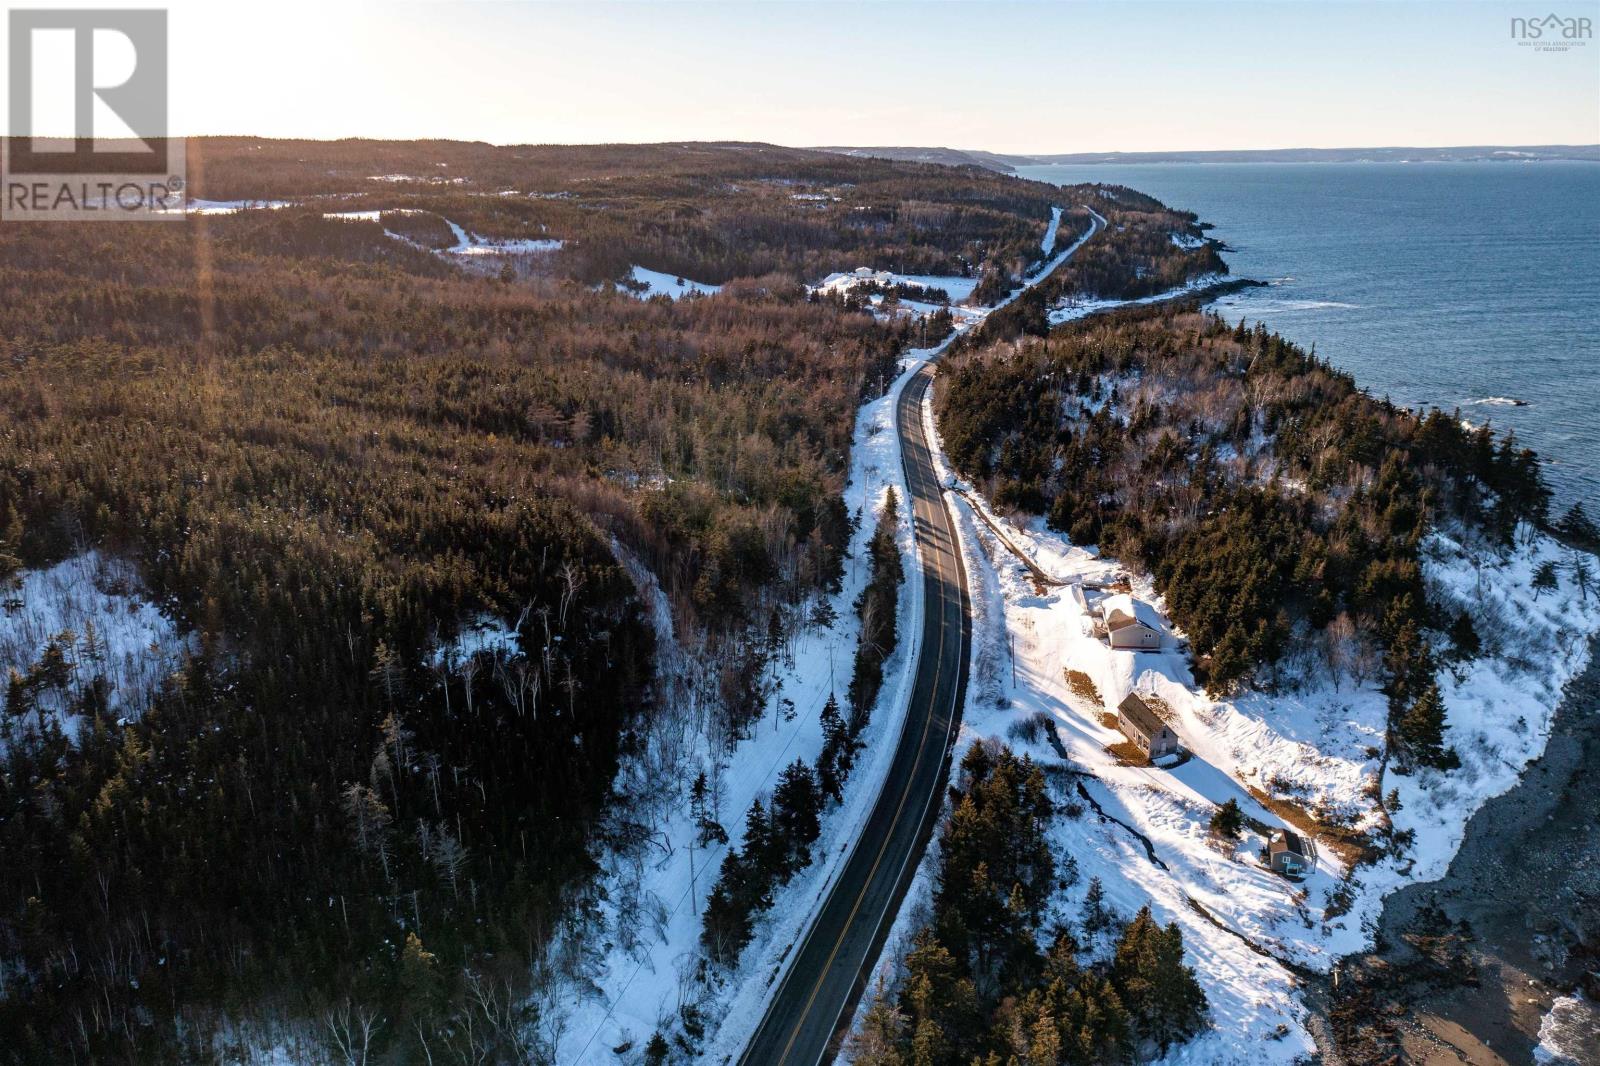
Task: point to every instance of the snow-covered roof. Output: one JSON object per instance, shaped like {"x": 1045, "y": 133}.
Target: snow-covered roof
{"x": 1123, "y": 610}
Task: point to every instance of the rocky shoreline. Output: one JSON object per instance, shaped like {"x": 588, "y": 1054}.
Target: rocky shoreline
{"x": 1465, "y": 968}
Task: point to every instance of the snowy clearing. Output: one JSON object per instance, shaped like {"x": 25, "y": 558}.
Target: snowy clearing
{"x": 466, "y": 244}
{"x": 1076, "y": 309}
{"x": 225, "y": 207}
{"x": 959, "y": 289}
{"x": 484, "y": 634}
{"x": 1048, "y": 245}
{"x": 112, "y": 629}
{"x": 658, "y": 284}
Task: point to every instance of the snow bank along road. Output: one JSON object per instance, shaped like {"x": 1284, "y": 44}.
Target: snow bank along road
{"x": 813, "y": 1002}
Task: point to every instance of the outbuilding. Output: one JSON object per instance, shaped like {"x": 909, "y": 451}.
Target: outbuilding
{"x": 1145, "y": 729}
{"x": 1130, "y": 624}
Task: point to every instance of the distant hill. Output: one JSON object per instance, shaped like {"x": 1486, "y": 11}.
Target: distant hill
{"x": 1007, "y": 163}
{"x": 953, "y": 157}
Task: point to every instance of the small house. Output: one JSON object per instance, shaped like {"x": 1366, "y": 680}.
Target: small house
{"x": 1130, "y": 623}
{"x": 1145, "y": 729}
{"x": 1287, "y": 854}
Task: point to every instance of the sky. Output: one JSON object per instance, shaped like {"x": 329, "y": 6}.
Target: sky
{"x": 1034, "y": 77}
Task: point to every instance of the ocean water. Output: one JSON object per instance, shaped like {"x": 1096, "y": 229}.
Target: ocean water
{"x": 1458, "y": 285}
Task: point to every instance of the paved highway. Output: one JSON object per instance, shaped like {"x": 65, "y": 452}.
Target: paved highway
{"x": 810, "y": 1008}
{"x": 813, "y": 1002}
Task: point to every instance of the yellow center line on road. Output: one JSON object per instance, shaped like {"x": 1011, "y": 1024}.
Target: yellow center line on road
{"x": 883, "y": 848}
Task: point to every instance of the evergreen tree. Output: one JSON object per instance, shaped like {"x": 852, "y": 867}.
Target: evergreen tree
{"x": 833, "y": 762}
{"x": 1544, "y": 578}
{"x": 877, "y": 1041}
{"x": 1160, "y": 993}
{"x": 796, "y": 804}
{"x": 1421, "y": 731}
{"x": 1464, "y": 642}
{"x": 1578, "y": 527}
{"x": 708, "y": 830}
{"x": 1227, "y": 821}
{"x": 1582, "y": 575}
{"x": 1095, "y": 915}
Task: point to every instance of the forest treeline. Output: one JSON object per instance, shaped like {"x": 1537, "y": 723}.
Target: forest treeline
{"x": 707, "y": 211}
{"x": 977, "y": 987}
{"x": 1277, "y": 506}
{"x": 327, "y": 450}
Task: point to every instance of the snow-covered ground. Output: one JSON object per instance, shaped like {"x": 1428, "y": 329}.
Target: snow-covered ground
{"x": 658, "y": 284}
{"x": 1317, "y": 747}
{"x": 1048, "y": 245}
{"x": 483, "y": 634}
{"x": 959, "y": 289}
{"x": 112, "y": 629}
{"x": 224, "y": 207}
{"x": 637, "y": 982}
{"x": 1076, "y": 309}
{"x": 467, "y": 244}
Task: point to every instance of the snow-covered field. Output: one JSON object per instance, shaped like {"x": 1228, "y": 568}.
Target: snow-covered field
{"x": 1077, "y": 309}
{"x": 959, "y": 289}
{"x": 225, "y": 207}
{"x": 109, "y": 627}
{"x": 658, "y": 284}
{"x": 1318, "y": 747}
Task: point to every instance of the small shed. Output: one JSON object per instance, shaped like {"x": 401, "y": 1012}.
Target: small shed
{"x": 1145, "y": 728}
{"x": 1288, "y": 854}
{"x": 1130, "y": 623}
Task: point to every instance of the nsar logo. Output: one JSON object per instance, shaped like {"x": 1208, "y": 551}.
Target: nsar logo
{"x": 1553, "y": 33}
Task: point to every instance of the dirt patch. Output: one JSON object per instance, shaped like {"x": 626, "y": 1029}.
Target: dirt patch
{"x": 1161, "y": 709}
{"x": 1082, "y": 685}
{"x": 1128, "y": 754}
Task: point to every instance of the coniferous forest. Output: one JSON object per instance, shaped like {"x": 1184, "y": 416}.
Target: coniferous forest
{"x": 1275, "y": 503}
{"x": 327, "y": 450}
{"x": 978, "y": 988}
